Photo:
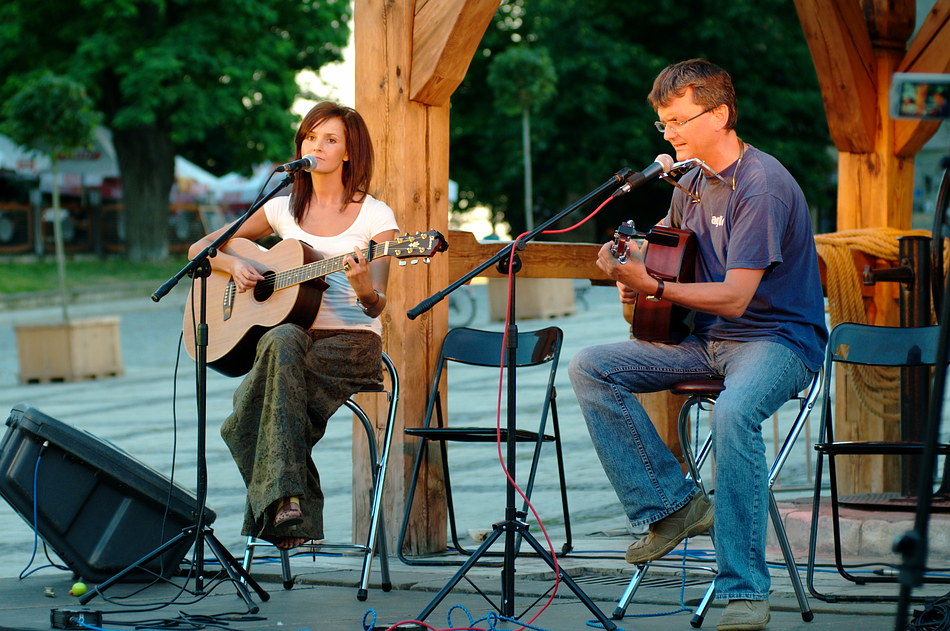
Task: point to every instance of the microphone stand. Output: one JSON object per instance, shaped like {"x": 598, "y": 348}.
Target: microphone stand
{"x": 514, "y": 525}
{"x": 200, "y": 268}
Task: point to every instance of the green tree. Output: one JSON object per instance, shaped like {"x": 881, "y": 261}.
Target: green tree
{"x": 51, "y": 115}
{"x": 209, "y": 79}
{"x": 523, "y": 79}
{"x": 606, "y": 55}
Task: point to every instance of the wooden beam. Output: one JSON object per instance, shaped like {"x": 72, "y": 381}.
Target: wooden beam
{"x": 929, "y": 51}
{"x": 539, "y": 259}
{"x": 837, "y": 36}
{"x": 445, "y": 35}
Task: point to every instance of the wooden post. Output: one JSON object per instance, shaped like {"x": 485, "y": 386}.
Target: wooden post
{"x": 410, "y": 58}
{"x": 857, "y": 47}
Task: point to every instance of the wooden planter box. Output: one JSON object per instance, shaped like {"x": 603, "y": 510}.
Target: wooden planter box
{"x": 69, "y": 351}
{"x": 534, "y": 297}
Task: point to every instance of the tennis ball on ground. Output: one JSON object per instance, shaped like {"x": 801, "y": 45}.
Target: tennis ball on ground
{"x": 78, "y": 589}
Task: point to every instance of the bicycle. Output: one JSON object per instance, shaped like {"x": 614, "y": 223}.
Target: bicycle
{"x": 462, "y": 307}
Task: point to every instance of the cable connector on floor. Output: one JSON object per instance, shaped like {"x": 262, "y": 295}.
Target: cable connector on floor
{"x": 75, "y": 618}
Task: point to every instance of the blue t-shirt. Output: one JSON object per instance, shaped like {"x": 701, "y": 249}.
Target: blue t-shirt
{"x": 763, "y": 224}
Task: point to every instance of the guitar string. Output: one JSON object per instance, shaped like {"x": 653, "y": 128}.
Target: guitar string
{"x": 271, "y": 281}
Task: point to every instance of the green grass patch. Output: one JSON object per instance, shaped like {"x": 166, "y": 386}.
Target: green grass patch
{"x": 42, "y": 276}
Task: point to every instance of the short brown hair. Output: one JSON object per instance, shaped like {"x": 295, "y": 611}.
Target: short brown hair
{"x": 712, "y": 86}
{"x": 357, "y": 170}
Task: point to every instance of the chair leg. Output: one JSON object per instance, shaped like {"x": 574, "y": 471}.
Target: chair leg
{"x": 813, "y": 534}
{"x": 410, "y": 494}
{"x": 559, "y": 453}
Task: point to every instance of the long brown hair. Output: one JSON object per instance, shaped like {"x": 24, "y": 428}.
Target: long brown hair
{"x": 357, "y": 170}
{"x": 712, "y": 86}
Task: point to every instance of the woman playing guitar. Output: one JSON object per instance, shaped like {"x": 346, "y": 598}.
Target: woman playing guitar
{"x": 301, "y": 375}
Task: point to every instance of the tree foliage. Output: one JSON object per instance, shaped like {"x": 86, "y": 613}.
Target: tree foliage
{"x": 209, "y": 79}
{"x": 522, "y": 78}
{"x": 50, "y": 116}
{"x": 606, "y": 55}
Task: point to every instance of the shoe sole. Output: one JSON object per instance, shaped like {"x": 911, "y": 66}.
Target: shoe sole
{"x": 697, "y": 529}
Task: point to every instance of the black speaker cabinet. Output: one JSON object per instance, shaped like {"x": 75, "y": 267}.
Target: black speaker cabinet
{"x": 100, "y": 509}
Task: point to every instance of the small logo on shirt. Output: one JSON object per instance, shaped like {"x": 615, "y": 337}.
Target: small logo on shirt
{"x": 718, "y": 220}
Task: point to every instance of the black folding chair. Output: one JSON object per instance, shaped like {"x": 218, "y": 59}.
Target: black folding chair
{"x": 864, "y": 345}
{"x": 484, "y": 348}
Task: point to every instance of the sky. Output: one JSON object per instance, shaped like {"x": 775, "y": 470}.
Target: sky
{"x": 334, "y": 81}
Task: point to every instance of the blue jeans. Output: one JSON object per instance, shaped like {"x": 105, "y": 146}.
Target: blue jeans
{"x": 648, "y": 479}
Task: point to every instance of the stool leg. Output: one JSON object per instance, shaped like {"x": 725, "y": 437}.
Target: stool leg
{"x": 248, "y": 554}
{"x": 700, "y": 615}
{"x": 631, "y": 590}
{"x": 285, "y": 569}
{"x": 793, "y": 575}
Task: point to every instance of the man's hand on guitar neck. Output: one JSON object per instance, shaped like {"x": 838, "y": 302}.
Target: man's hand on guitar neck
{"x": 631, "y": 276}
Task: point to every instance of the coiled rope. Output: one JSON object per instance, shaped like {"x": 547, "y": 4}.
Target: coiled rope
{"x": 876, "y": 387}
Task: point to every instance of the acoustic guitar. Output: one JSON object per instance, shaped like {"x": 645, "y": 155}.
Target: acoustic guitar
{"x": 670, "y": 255}
{"x": 291, "y": 291}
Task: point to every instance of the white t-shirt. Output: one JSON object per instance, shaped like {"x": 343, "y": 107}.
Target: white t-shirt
{"x": 338, "y": 309}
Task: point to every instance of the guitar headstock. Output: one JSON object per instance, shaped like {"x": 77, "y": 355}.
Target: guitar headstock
{"x": 622, "y": 236}
{"x": 421, "y": 244}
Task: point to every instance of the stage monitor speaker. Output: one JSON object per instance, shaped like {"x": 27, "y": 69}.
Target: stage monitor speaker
{"x": 99, "y": 508}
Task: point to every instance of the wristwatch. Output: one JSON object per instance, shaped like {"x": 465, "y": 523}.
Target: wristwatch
{"x": 660, "y": 285}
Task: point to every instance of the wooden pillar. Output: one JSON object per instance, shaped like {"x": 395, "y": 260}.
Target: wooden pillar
{"x": 857, "y": 46}
{"x": 410, "y": 57}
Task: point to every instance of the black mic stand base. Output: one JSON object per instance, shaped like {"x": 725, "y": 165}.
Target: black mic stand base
{"x": 514, "y": 524}
{"x": 232, "y": 566}
{"x": 511, "y": 527}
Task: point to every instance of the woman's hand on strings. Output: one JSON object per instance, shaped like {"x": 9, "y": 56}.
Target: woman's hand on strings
{"x": 244, "y": 274}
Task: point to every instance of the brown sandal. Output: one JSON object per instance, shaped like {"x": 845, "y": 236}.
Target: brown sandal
{"x": 288, "y": 512}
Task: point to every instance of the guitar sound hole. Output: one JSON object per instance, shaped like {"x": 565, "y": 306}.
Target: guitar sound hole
{"x": 264, "y": 289}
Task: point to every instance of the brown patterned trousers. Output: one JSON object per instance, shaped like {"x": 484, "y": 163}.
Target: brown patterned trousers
{"x": 281, "y": 409}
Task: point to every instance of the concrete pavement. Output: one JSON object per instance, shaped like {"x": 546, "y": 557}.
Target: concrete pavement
{"x": 149, "y": 412}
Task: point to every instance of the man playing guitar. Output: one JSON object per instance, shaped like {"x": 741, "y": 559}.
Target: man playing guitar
{"x": 759, "y": 324}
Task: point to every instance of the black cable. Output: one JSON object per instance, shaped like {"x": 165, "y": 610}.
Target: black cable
{"x": 935, "y": 616}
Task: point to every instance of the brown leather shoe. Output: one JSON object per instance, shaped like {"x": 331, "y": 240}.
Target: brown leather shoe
{"x": 744, "y": 615}
{"x": 693, "y": 519}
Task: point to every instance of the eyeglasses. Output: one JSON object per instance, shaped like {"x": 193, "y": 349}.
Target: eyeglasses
{"x": 661, "y": 126}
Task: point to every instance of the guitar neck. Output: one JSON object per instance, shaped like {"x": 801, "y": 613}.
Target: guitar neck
{"x": 302, "y": 274}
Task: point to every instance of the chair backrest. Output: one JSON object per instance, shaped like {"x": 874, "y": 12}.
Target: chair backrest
{"x": 484, "y": 348}
{"x": 872, "y": 345}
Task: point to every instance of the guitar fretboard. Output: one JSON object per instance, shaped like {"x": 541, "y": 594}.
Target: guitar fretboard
{"x": 302, "y": 274}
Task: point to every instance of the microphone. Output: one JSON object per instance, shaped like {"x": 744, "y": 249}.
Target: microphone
{"x": 661, "y": 164}
{"x": 306, "y": 163}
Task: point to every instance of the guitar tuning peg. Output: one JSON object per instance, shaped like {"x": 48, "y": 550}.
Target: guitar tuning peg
{"x": 415, "y": 261}
{"x": 427, "y": 260}
{"x": 402, "y": 263}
